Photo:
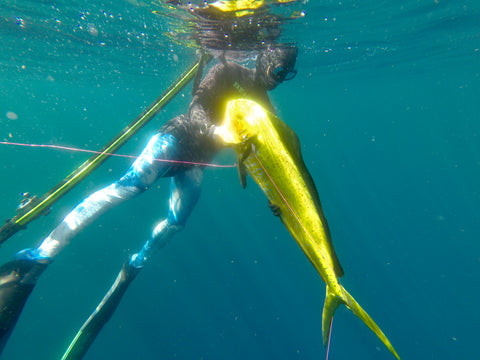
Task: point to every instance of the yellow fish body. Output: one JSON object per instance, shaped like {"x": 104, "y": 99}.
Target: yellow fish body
{"x": 270, "y": 151}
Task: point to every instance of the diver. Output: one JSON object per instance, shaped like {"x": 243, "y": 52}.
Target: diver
{"x": 189, "y": 137}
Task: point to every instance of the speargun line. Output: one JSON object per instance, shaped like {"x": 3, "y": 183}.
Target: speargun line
{"x": 69, "y": 148}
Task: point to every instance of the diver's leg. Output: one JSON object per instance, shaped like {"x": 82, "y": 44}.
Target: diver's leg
{"x": 143, "y": 172}
{"x": 185, "y": 191}
{"x": 184, "y": 194}
{"x": 18, "y": 277}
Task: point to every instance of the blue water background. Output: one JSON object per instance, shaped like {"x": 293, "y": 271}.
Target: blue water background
{"x": 386, "y": 104}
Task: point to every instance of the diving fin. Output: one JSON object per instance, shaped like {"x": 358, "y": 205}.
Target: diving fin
{"x": 17, "y": 280}
{"x": 103, "y": 312}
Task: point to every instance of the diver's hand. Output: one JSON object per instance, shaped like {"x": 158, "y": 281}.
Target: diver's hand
{"x": 221, "y": 134}
{"x": 225, "y": 135}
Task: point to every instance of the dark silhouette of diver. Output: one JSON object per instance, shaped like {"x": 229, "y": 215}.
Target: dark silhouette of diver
{"x": 188, "y": 137}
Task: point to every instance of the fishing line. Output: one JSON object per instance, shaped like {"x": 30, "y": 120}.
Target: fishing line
{"x": 68, "y": 148}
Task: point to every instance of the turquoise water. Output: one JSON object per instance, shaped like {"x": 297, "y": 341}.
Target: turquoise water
{"x": 386, "y": 104}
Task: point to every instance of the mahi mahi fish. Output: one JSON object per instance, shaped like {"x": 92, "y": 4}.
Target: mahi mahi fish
{"x": 269, "y": 151}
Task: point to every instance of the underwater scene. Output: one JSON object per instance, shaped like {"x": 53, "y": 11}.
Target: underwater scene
{"x": 385, "y": 100}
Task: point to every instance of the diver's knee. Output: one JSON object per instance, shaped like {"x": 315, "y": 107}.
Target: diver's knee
{"x": 132, "y": 183}
{"x": 166, "y": 229}
{"x": 33, "y": 255}
{"x": 161, "y": 235}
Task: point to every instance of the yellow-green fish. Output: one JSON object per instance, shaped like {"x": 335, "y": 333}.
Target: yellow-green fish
{"x": 270, "y": 151}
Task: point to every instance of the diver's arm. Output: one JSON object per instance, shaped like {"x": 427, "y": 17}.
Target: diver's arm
{"x": 209, "y": 86}
{"x": 221, "y": 80}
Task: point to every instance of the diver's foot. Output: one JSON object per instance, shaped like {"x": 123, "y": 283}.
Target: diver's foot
{"x": 111, "y": 300}
{"x": 17, "y": 280}
{"x": 103, "y": 312}
{"x": 129, "y": 272}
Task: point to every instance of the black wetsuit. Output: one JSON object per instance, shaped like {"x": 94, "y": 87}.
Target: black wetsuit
{"x": 223, "y": 82}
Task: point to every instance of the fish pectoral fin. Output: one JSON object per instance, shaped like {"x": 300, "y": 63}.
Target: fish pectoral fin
{"x": 275, "y": 208}
{"x": 242, "y": 172}
{"x": 243, "y": 150}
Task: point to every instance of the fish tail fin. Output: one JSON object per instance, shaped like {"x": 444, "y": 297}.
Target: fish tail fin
{"x": 333, "y": 300}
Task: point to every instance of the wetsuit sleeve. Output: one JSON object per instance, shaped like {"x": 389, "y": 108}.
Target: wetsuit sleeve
{"x": 226, "y": 81}
{"x": 213, "y": 84}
